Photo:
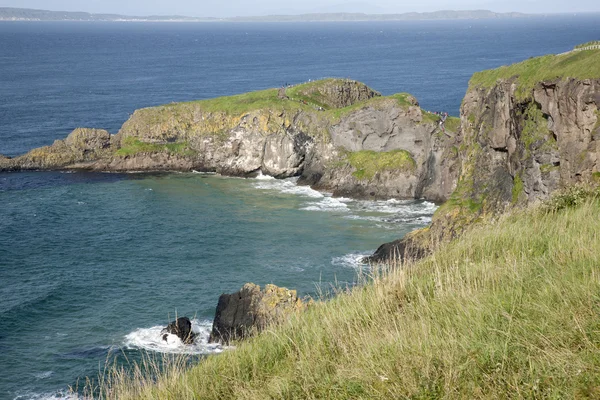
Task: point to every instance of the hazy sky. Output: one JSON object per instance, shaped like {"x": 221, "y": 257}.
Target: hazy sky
{"x": 227, "y": 8}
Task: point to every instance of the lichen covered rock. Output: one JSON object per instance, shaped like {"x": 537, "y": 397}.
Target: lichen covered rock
{"x": 251, "y": 310}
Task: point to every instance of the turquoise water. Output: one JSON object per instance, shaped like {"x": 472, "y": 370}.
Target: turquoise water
{"x": 91, "y": 262}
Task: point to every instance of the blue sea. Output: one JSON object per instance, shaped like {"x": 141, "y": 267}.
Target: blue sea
{"x": 93, "y": 264}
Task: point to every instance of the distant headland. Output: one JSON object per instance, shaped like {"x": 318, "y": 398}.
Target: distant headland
{"x": 26, "y": 14}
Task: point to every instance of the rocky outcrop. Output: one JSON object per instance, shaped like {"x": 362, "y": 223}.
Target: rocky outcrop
{"x": 519, "y": 142}
{"x": 182, "y": 328}
{"x": 83, "y": 145}
{"x": 388, "y": 151}
{"x": 337, "y": 93}
{"x": 251, "y": 310}
{"x": 519, "y": 149}
{"x": 323, "y": 131}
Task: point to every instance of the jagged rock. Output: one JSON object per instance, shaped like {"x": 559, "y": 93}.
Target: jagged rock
{"x": 82, "y": 147}
{"x": 529, "y": 146}
{"x": 5, "y": 163}
{"x": 251, "y": 310}
{"x": 86, "y": 139}
{"x": 182, "y": 328}
{"x": 338, "y": 93}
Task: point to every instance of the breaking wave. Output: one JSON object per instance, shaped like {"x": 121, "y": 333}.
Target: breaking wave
{"x": 151, "y": 339}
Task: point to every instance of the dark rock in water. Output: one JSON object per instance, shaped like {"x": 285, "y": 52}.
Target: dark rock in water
{"x": 251, "y": 310}
{"x": 410, "y": 248}
{"x": 182, "y": 327}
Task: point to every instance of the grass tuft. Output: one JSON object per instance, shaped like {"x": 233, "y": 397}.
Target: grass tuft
{"x": 368, "y": 163}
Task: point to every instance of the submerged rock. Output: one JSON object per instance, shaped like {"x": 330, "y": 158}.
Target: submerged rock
{"x": 182, "y": 328}
{"x": 251, "y": 310}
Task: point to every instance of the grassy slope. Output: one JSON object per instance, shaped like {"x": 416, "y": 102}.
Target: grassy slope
{"x": 512, "y": 309}
{"x": 577, "y": 64}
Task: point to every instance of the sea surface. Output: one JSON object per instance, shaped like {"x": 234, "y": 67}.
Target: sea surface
{"x": 93, "y": 264}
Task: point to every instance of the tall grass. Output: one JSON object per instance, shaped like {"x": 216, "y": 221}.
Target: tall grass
{"x": 511, "y": 310}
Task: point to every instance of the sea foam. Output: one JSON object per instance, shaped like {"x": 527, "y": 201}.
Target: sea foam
{"x": 152, "y": 339}
{"x": 287, "y": 186}
{"x": 351, "y": 260}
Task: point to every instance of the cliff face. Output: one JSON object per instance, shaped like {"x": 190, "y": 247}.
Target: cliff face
{"x": 332, "y": 133}
{"x": 519, "y": 150}
{"x": 521, "y": 139}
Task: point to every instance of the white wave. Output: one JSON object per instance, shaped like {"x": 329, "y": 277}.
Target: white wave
{"x": 351, "y": 260}
{"x": 327, "y": 204}
{"x": 394, "y": 206}
{"x": 152, "y": 339}
{"x": 287, "y": 186}
{"x": 392, "y": 219}
{"x": 44, "y": 375}
{"x": 262, "y": 177}
{"x": 47, "y": 396}
{"x": 203, "y": 173}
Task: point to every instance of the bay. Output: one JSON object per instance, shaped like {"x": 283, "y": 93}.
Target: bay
{"x": 92, "y": 263}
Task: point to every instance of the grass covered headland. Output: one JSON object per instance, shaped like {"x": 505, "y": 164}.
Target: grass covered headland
{"x": 576, "y": 64}
{"x": 509, "y": 310}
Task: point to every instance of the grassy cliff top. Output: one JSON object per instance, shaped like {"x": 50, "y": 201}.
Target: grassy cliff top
{"x": 326, "y": 94}
{"x": 331, "y": 98}
{"x": 578, "y": 64}
{"x": 510, "y": 309}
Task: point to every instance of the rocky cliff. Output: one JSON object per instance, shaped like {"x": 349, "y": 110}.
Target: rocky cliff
{"x": 527, "y": 130}
{"x": 337, "y": 135}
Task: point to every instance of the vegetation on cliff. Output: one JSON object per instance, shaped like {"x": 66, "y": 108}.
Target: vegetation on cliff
{"x": 576, "y": 64}
{"x": 131, "y": 146}
{"x": 326, "y": 101}
{"x": 368, "y": 163}
{"x": 510, "y": 309}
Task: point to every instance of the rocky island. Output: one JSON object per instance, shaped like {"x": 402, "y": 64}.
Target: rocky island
{"x": 336, "y": 134}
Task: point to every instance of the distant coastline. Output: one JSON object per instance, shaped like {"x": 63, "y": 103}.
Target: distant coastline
{"x": 25, "y": 14}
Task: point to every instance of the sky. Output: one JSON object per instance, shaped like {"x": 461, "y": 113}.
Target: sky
{"x": 230, "y": 8}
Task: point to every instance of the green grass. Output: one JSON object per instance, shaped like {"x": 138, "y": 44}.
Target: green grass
{"x": 452, "y": 124}
{"x": 368, "y": 163}
{"x": 132, "y": 146}
{"x": 579, "y": 65}
{"x": 243, "y": 103}
{"x": 267, "y": 99}
{"x": 511, "y": 310}
{"x": 517, "y": 189}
